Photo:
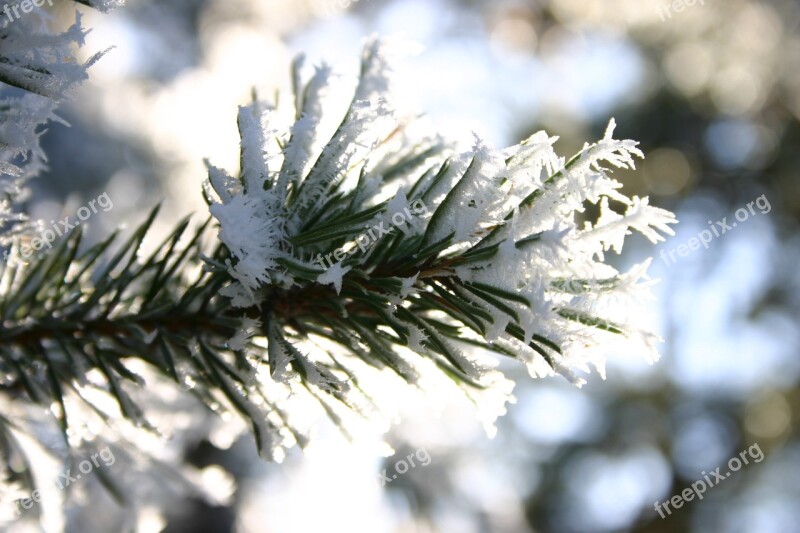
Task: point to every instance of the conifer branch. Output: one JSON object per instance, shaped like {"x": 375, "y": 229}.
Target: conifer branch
{"x": 440, "y": 259}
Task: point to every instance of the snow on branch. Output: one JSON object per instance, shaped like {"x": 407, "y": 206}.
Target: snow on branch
{"x": 500, "y": 262}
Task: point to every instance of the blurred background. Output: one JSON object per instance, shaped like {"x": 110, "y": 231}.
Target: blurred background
{"x": 711, "y": 90}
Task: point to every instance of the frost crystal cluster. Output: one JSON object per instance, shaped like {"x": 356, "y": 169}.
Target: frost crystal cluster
{"x": 508, "y": 257}
{"x": 43, "y": 65}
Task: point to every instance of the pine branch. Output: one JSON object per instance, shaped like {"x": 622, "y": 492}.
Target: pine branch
{"x": 343, "y": 267}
